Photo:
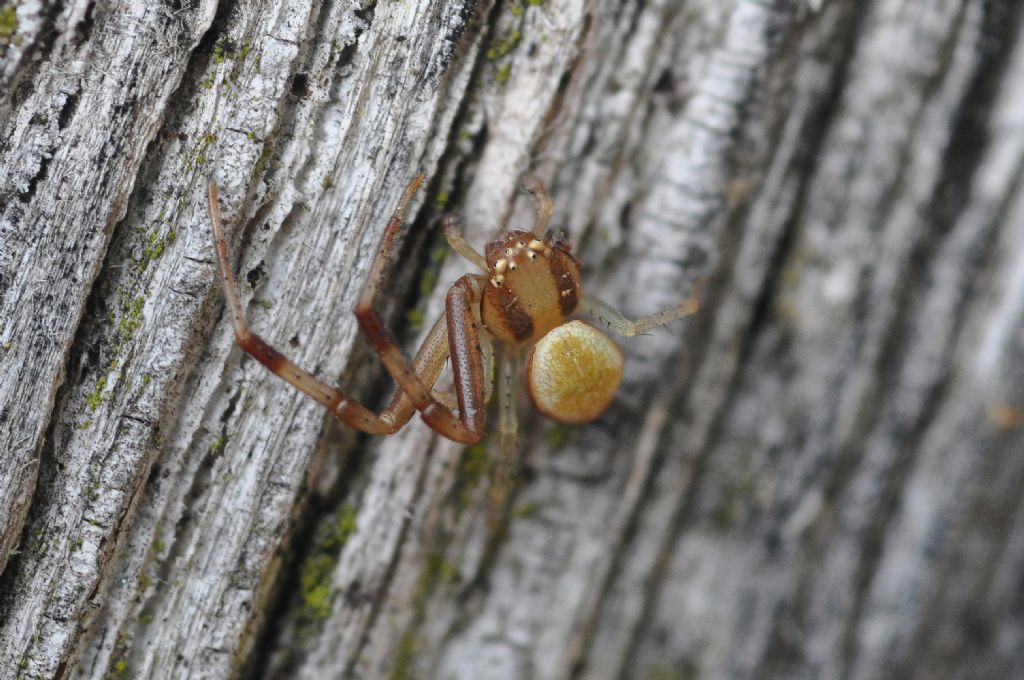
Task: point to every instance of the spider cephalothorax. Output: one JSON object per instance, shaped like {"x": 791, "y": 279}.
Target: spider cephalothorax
{"x": 528, "y": 289}
{"x": 532, "y": 287}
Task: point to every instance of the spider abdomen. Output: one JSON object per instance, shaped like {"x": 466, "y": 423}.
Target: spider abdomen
{"x": 573, "y": 371}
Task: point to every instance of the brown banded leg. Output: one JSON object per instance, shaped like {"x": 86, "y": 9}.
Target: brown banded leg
{"x": 465, "y": 351}
{"x": 463, "y": 344}
{"x": 458, "y": 243}
{"x": 448, "y": 397}
{"x": 618, "y": 322}
{"x": 429, "y": 361}
{"x": 542, "y": 203}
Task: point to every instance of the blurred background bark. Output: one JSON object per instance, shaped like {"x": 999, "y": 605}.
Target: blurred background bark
{"x": 818, "y": 476}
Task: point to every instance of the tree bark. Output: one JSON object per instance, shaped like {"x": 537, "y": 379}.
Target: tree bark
{"x": 815, "y": 477}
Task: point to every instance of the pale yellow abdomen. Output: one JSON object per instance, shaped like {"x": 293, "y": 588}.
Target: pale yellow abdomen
{"x": 573, "y": 371}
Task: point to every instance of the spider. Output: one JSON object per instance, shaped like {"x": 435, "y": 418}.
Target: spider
{"x": 523, "y": 300}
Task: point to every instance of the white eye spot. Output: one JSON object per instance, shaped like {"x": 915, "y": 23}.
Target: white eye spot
{"x": 508, "y": 251}
{"x": 512, "y": 266}
{"x": 533, "y": 256}
{"x": 521, "y": 244}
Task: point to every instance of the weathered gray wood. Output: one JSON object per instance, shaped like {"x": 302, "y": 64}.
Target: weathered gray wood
{"x": 65, "y": 182}
{"x": 816, "y": 477}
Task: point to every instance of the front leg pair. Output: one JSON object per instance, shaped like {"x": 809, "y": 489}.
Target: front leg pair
{"x": 456, "y": 335}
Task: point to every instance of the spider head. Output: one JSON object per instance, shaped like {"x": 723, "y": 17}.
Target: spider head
{"x": 513, "y": 250}
{"x": 518, "y": 248}
{"x": 533, "y": 285}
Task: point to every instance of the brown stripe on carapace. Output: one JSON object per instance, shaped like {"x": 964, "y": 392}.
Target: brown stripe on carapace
{"x": 515, "y": 316}
{"x": 566, "y": 282}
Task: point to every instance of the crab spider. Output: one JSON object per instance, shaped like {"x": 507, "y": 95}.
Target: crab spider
{"x": 522, "y": 300}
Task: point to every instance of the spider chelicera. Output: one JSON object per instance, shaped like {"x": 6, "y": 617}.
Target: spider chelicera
{"x": 524, "y": 299}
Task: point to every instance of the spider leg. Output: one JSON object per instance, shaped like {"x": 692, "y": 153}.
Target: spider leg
{"x": 459, "y": 244}
{"x": 542, "y": 202}
{"x": 506, "y": 468}
{"x": 448, "y": 397}
{"x": 508, "y": 423}
{"x": 463, "y": 344}
{"x": 429, "y": 361}
{"x": 624, "y": 326}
